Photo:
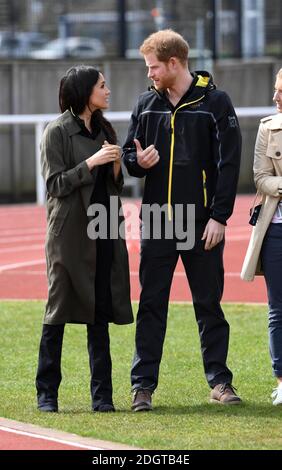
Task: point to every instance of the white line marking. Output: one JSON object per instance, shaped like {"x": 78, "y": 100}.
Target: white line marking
{"x": 183, "y": 274}
{"x": 132, "y": 273}
{"x": 22, "y": 238}
{"x": 21, "y": 248}
{"x": 237, "y": 238}
{"x": 20, "y": 231}
{"x": 25, "y": 273}
{"x": 238, "y": 228}
{"x": 8, "y": 267}
{"x": 47, "y": 438}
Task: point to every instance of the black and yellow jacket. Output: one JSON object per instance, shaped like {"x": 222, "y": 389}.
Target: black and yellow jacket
{"x": 199, "y": 144}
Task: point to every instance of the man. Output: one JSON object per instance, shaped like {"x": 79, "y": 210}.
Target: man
{"x": 184, "y": 138}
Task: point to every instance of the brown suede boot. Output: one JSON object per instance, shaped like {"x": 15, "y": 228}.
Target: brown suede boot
{"x": 225, "y": 395}
{"x": 142, "y": 400}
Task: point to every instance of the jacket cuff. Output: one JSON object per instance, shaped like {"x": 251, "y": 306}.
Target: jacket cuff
{"x": 132, "y": 166}
{"x": 219, "y": 219}
{"x": 80, "y": 175}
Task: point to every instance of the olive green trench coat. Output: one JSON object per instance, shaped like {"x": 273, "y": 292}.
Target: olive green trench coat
{"x": 70, "y": 253}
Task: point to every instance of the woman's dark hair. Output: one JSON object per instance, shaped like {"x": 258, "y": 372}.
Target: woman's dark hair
{"x": 75, "y": 90}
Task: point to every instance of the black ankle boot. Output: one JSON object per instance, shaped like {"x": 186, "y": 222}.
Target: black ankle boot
{"x": 47, "y": 403}
{"x": 104, "y": 408}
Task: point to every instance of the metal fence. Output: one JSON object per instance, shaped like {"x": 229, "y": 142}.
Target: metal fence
{"x": 40, "y": 120}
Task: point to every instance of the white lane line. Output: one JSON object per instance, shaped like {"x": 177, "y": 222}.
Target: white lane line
{"x": 25, "y": 273}
{"x": 132, "y": 273}
{"x": 12, "y": 209}
{"x": 21, "y": 248}
{"x": 237, "y": 238}
{"x": 136, "y": 243}
{"x": 183, "y": 274}
{"x": 8, "y": 267}
{"x": 239, "y": 228}
{"x": 47, "y": 438}
{"x": 22, "y": 238}
{"x": 13, "y": 219}
{"x": 133, "y": 243}
{"x": 19, "y": 231}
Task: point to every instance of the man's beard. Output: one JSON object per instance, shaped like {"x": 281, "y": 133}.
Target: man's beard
{"x": 163, "y": 85}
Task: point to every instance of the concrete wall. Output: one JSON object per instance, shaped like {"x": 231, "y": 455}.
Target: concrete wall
{"x": 32, "y": 87}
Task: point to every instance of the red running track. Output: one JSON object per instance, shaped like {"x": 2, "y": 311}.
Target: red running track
{"x": 22, "y": 260}
{"x": 9, "y": 440}
{"x": 15, "y": 435}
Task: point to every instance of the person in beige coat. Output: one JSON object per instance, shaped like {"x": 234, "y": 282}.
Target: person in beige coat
{"x": 264, "y": 253}
{"x": 88, "y": 276}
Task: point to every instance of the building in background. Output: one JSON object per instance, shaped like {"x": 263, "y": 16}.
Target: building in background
{"x": 220, "y": 28}
{"x": 244, "y": 36}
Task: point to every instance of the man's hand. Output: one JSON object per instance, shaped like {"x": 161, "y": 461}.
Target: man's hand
{"x": 148, "y": 157}
{"x": 213, "y": 234}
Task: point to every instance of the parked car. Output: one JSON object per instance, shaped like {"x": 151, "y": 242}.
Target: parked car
{"x": 20, "y": 43}
{"x": 80, "y": 47}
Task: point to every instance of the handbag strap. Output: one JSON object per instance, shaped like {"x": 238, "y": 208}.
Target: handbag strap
{"x": 254, "y": 203}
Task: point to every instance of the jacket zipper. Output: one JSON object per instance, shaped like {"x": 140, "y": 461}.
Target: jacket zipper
{"x": 172, "y": 154}
{"x": 205, "y": 188}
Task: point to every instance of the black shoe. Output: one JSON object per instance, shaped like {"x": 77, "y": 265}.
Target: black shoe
{"x": 142, "y": 400}
{"x": 47, "y": 402}
{"x": 49, "y": 406}
{"x": 105, "y": 408}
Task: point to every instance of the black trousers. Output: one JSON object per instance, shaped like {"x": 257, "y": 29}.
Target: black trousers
{"x": 205, "y": 274}
{"x": 49, "y": 374}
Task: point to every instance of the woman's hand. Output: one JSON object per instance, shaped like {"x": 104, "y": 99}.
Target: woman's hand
{"x": 116, "y": 163}
{"x": 108, "y": 153}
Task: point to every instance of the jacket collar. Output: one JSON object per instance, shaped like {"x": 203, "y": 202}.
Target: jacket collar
{"x": 70, "y": 123}
{"x": 276, "y": 122}
{"x": 202, "y": 82}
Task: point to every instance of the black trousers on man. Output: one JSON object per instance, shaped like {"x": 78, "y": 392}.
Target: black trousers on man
{"x": 205, "y": 274}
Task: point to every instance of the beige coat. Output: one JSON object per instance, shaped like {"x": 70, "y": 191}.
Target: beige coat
{"x": 268, "y": 180}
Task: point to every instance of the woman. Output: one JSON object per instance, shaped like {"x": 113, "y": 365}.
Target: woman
{"x": 264, "y": 255}
{"x": 88, "y": 278}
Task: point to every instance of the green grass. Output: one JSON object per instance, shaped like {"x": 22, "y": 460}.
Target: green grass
{"x": 182, "y": 418}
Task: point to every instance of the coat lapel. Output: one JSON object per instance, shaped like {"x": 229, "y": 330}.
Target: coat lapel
{"x": 82, "y": 148}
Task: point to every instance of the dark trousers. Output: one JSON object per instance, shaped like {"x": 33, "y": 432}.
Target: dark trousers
{"x": 205, "y": 274}
{"x": 271, "y": 255}
{"x": 49, "y": 374}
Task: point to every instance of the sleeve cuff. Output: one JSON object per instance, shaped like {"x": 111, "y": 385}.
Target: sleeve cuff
{"x": 218, "y": 219}
{"x": 80, "y": 175}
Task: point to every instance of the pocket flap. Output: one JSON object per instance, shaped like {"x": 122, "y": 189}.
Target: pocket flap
{"x": 59, "y": 217}
{"x": 273, "y": 151}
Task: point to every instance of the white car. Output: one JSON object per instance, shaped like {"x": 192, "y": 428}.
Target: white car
{"x": 19, "y": 43}
{"x": 80, "y": 47}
